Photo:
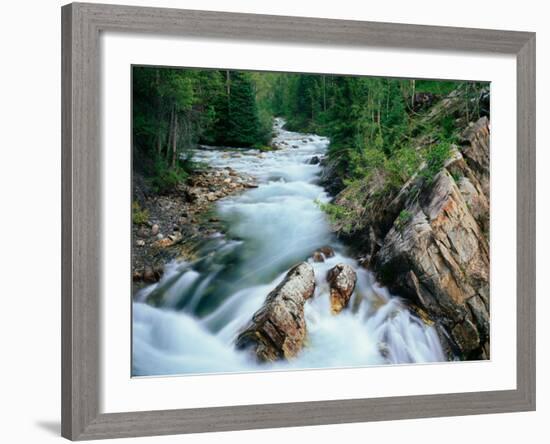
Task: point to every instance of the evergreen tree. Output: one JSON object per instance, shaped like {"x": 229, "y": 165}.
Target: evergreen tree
{"x": 242, "y": 115}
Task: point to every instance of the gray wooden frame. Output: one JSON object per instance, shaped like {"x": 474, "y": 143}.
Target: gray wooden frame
{"x": 81, "y": 166}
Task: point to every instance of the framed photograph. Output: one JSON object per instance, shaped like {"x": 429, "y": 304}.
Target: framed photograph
{"x": 278, "y": 221}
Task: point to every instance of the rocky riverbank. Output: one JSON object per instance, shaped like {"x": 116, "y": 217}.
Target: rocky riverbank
{"x": 175, "y": 224}
{"x": 429, "y": 242}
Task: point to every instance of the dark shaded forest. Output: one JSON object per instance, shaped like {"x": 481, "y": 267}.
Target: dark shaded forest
{"x": 176, "y": 109}
{"x": 373, "y": 123}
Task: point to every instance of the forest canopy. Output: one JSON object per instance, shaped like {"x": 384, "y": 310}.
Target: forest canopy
{"x": 370, "y": 121}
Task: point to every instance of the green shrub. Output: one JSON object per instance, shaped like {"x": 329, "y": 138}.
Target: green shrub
{"x": 167, "y": 177}
{"x": 403, "y": 219}
{"x": 457, "y": 176}
{"x": 335, "y": 212}
{"x": 401, "y": 166}
{"x": 447, "y": 128}
{"x": 405, "y": 216}
{"x": 139, "y": 215}
{"x": 363, "y": 162}
{"x": 167, "y": 180}
{"x": 435, "y": 157}
{"x": 338, "y": 215}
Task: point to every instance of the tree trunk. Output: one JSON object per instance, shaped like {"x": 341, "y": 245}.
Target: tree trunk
{"x": 413, "y": 83}
{"x": 170, "y": 133}
{"x": 388, "y": 100}
{"x": 228, "y": 83}
{"x": 228, "y": 90}
{"x": 159, "y": 113}
{"x": 324, "y": 93}
{"x": 467, "y": 104}
{"x": 175, "y": 141}
{"x": 379, "y": 119}
{"x": 159, "y": 142}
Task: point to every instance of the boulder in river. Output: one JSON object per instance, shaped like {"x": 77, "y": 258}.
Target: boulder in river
{"x": 341, "y": 279}
{"x": 322, "y": 253}
{"x": 149, "y": 274}
{"x": 317, "y": 257}
{"x": 315, "y": 160}
{"x": 278, "y": 329}
{"x": 326, "y": 251}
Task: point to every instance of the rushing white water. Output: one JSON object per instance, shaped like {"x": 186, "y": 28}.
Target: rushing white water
{"x": 206, "y": 303}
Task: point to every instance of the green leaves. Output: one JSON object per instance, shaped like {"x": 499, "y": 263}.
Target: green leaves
{"x": 403, "y": 219}
{"x": 436, "y": 156}
{"x": 139, "y": 215}
{"x": 401, "y": 166}
{"x": 363, "y": 162}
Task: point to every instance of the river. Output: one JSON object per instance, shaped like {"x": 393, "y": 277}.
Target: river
{"x": 204, "y": 304}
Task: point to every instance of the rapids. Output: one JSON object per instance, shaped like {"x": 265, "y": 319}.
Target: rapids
{"x": 270, "y": 228}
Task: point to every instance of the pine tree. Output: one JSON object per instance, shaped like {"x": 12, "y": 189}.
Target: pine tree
{"x": 242, "y": 116}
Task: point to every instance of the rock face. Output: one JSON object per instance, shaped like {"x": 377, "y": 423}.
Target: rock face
{"x": 439, "y": 255}
{"x": 330, "y": 179}
{"x": 341, "y": 280}
{"x": 475, "y": 150}
{"x": 278, "y": 329}
{"x": 429, "y": 242}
